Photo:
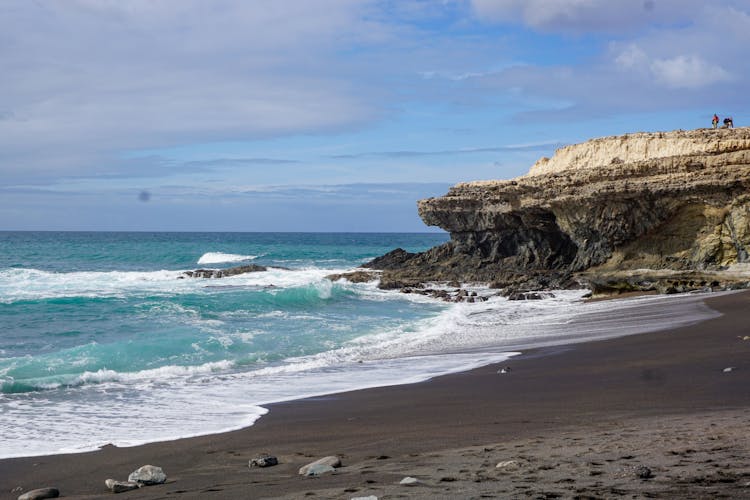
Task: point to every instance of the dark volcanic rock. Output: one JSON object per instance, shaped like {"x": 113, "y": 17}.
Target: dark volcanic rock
{"x": 643, "y": 472}
{"x": 223, "y": 273}
{"x": 354, "y": 276}
{"x": 526, "y": 296}
{"x": 391, "y": 260}
{"x": 264, "y": 460}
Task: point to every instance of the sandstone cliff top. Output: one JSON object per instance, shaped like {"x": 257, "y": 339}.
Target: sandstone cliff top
{"x": 641, "y": 146}
{"x": 695, "y": 165}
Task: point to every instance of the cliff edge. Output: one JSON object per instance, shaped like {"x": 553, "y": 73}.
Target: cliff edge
{"x": 665, "y": 211}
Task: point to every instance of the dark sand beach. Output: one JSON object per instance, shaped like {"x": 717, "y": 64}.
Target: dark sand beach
{"x": 579, "y": 421}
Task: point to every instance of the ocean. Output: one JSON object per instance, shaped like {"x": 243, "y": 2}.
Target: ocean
{"x": 102, "y": 340}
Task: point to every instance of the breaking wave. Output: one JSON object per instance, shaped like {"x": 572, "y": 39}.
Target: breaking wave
{"x": 221, "y": 258}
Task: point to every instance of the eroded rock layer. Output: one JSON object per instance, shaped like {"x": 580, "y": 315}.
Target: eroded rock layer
{"x": 666, "y": 204}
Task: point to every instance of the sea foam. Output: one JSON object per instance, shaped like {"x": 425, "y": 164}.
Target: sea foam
{"x": 220, "y": 258}
{"x": 35, "y": 284}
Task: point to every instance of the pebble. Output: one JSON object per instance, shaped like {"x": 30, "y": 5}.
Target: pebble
{"x": 148, "y": 475}
{"x": 40, "y": 494}
{"x": 643, "y": 472}
{"x": 121, "y": 486}
{"x": 371, "y": 497}
{"x": 263, "y": 461}
{"x": 409, "y": 481}
{"x": 728, "y": 369}
{"x": 508, "y": 465}
{"x": 318, "y": 470}
{"x": 331, "y": 461}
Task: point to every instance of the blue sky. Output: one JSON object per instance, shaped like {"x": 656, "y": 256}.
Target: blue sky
{"x": 331, "y": 115}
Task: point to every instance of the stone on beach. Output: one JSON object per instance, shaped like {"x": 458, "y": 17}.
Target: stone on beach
{"x": 148, "y": 475}
{"x": 264, "y": 460}
{"x": 371, "y": 497}
{"x": 121, "y": 486}
{"x": 409, "y": 481}
{"x": 40, "y": 493}
{"x": 318, "y": 470}
{"x": 508, "y": 465}
{"x": 330, "y": 461}
{"x": 643, "y": 472}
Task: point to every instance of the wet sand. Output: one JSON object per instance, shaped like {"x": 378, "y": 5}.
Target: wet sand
{"x": 568, "y": 422}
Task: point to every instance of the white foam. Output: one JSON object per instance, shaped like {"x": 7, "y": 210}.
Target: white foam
{"x": 220, "y": 257}
{"x": 162, "y": 374}
{"x": 133, "y": 414}
{"x": 285, "y": 278}
{"x": 34, "y": 284}
{"x": 59, "y": 425}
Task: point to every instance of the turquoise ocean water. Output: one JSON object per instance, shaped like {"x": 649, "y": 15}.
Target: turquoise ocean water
{"x": 102, "y": 342}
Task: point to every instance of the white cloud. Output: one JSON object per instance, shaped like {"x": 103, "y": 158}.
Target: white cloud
{"x": 678, "y": 72}
{"x": 84, "y": 78}
{"x": 537, "y": 13}
{"x": 687, "y": 63}
{"x": 687, "y": 72}
{"x": 585, "y": 15}
{"x": 632, "y": 58}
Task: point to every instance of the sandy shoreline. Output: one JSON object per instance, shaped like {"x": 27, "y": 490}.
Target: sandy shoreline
{"x": 575, "y": 421}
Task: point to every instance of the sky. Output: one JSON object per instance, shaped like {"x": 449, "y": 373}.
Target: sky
{"x": 331, "y": 115}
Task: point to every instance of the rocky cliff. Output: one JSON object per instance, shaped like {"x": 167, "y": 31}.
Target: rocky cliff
{"x": 668, "y": 211}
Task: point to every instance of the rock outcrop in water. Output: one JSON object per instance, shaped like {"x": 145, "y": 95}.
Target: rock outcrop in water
{"x": 667, "y": 211}
{"x": 224, "y": 273}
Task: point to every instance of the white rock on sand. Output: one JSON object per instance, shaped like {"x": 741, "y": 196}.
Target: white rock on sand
{"x": 409, "y": 481}
{"x": 121, "y": 486}
{"x": 148, "y": 475}
{"x": 40, "y": 494}
{"x": 330, "y": 461}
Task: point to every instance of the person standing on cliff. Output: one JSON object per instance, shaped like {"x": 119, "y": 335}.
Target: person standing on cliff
{"x": 715, "y": 121}
{"x": 728, "y": 122}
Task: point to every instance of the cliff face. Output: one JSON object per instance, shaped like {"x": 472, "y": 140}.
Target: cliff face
{"x": 633, "y": 209}
{"x": 641, "y": 146}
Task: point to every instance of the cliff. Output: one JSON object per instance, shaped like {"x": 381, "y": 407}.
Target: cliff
{"x": 668, "y": 211}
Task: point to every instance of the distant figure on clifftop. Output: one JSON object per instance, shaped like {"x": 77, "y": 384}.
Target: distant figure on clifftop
{"x": 715, "y": 121}
{"x": 728, "y": 123}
